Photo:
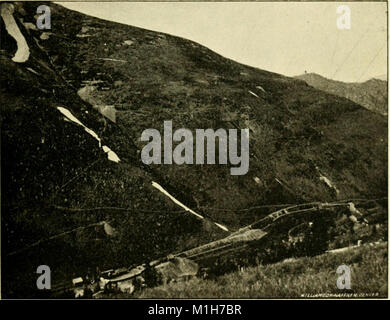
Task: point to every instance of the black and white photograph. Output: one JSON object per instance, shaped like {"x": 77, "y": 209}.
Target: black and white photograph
{"x": 194, "y": 150}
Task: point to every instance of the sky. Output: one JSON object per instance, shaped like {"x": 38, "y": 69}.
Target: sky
{"x": 284, "y": 37}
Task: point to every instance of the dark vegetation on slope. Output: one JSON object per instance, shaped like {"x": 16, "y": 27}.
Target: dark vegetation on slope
{"x": 50, "y": 165}
{"x": 371, "y": 94}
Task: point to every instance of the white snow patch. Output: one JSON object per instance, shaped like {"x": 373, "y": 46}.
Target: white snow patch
{"x": 69, "y": 115}
{"x": 221, "y": 226}
{"x": 93, "y": 134}
{"x": 33, "y": 71}
{"x": 108, "y": 229}
{"x": 111, "y": 155}
{"x": 23, "y": 52}
{"x": 253, "y": 94}
{"x": 261, "y": 88}
{"x": 328, "y": 183}
{"x": 161, "y": 189}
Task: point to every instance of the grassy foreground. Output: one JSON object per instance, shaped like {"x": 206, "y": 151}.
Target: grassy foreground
{"x": 291, "y": 278}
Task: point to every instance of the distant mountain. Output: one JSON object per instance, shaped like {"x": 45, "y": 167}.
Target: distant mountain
{"x": 371, "y": 94}
{"x": 382, "y": 77}
{"x": 73, "y": 106}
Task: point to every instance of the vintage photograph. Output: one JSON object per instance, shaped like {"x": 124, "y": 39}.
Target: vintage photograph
{"x": 194, "y": 150}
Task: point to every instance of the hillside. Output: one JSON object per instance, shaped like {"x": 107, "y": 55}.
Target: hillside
{"x": 305, "y": 145}
{"x": 371, "y": 94}
{"x": 294, "y": 278}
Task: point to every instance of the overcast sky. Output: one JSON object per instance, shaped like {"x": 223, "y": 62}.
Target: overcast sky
{"x": 287, "y": 38}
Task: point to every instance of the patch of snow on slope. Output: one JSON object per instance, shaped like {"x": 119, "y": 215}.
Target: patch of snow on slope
{"x": 69, "y": 115}
{"x": 257, "y": 180}
{"x": 111, "y": 155}
{"x": 326, "y": 180}
{"x": 329, "y": 183}
{"x": 23, "y": 52}
{"x": 221, "y": 226}
{"x": 161, "y": 189}
{"x": 260, "y": 88}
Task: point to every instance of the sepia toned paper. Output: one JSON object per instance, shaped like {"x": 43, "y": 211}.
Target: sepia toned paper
{"x": 194, "y": 150}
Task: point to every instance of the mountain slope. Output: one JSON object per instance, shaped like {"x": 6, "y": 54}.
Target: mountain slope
{"x": 371, "y": 94}
{"x": 57, "y": 178}
{"x": 308, "y": 277}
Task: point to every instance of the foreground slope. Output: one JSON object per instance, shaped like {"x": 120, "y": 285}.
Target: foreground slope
{"x": 294, "y": 278}
{"x": 56, "y": 178}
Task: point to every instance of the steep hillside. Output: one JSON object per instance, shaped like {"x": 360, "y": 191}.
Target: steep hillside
{"x": 371, "y": 94}
{"x": 305, "y": 145}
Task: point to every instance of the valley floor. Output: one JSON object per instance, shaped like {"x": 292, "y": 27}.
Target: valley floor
{"x": 298, "y": 278}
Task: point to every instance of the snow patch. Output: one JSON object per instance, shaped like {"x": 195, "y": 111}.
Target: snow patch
{"x": 111, "y": 155}
{"x": 108, "y": 229}
{"x": 33, "y": 71}
{"x": 161, "y": 189}
{"x": 221, "y": 226}
{"x": 260, "y": 88}
{"x": 326, "y": 180}
{"x": 23, "y": 52}
{"x": 69, "y": 115}
{"x": 72, "y": 118}
{"x": 328, "y": 183}
{"x": 257, "y": 180}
